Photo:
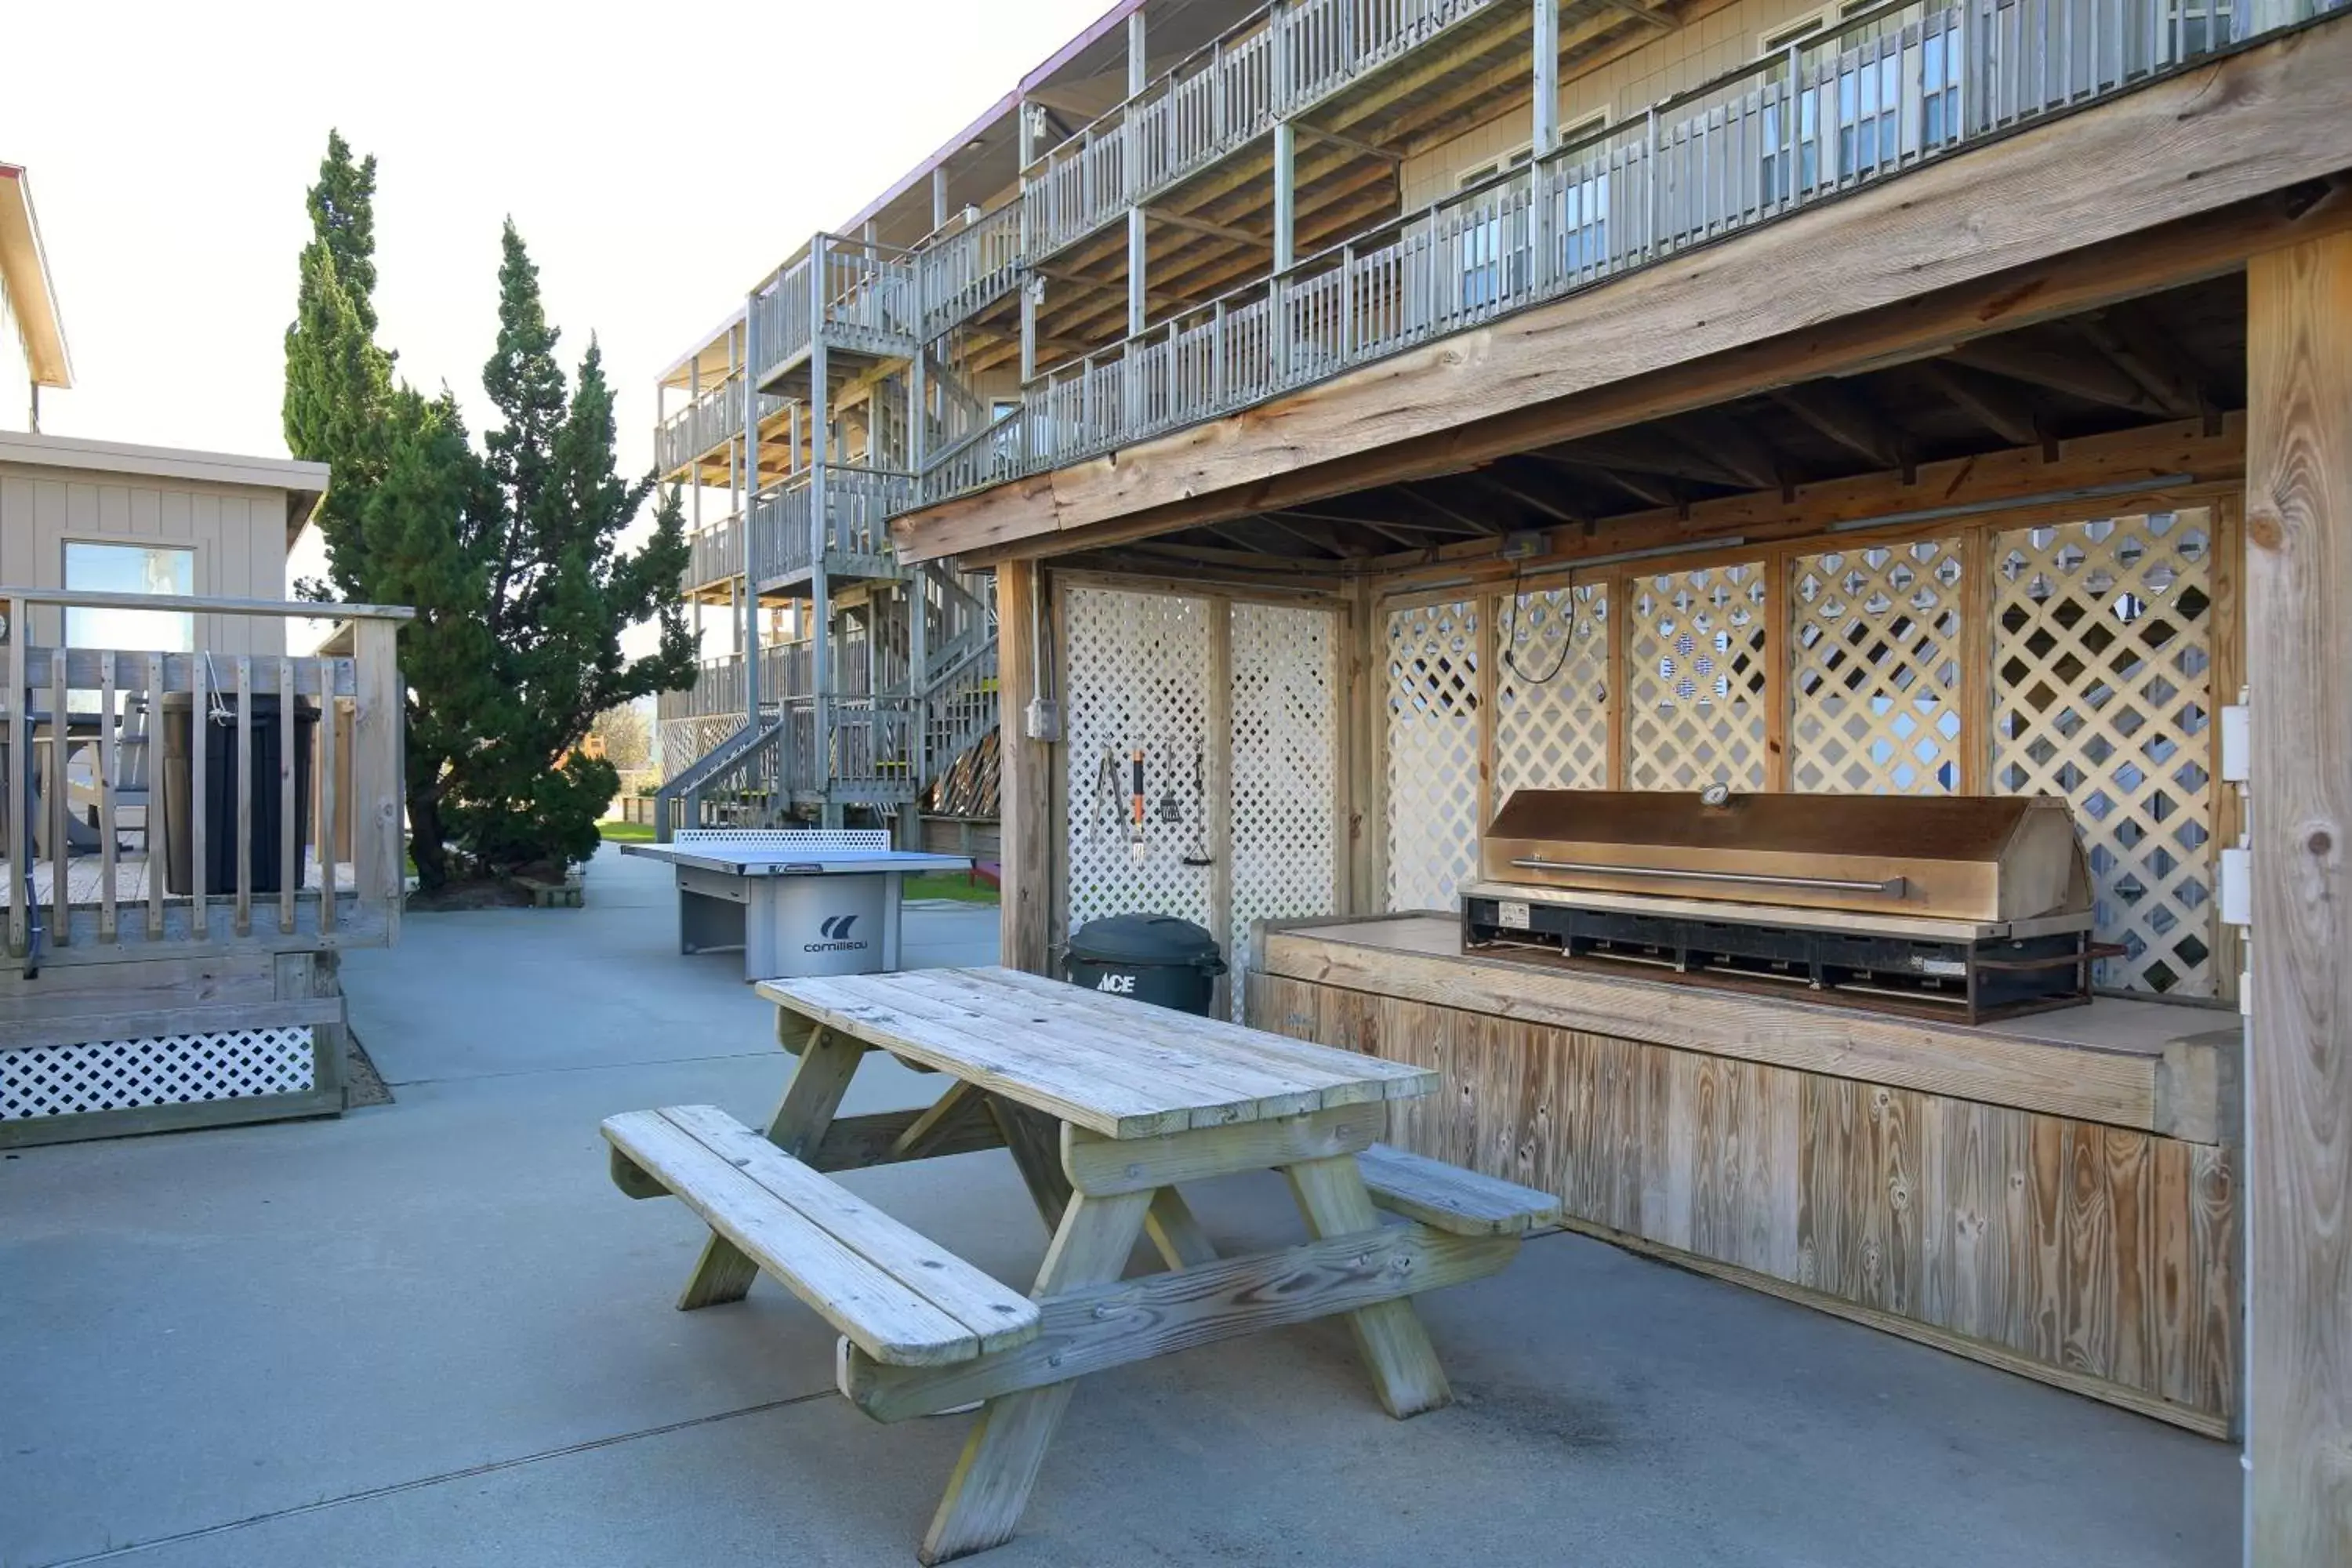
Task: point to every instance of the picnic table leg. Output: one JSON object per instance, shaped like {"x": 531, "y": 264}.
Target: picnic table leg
{"x": 827, "y": 1063}
{"x": 1395, "y": 1347}
{"x": 991, "y": 1480}
{"x": 1181, "y": 1241}
{"x": 1035, "y": 1142}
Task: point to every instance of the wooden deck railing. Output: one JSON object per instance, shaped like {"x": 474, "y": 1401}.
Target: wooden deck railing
{"x": 1878, "y": 94}
{"x": 705, "y": 425}
{"x": 91, "y": 736}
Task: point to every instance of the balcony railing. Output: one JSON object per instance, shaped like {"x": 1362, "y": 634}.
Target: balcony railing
{"x": 196, "y": 799}
{"x": 1884, "y": 91}
{"x": 717, "y": 689}
{"x": 868, "y": 749}
{"x": 705, "y": 425}
{"x": 718, "y": 553}
{"x": 959, "y": 274}
{"x": 858, "y": 504}
{"x": 1278, "y": 63}
{"x": 869, "y": 296}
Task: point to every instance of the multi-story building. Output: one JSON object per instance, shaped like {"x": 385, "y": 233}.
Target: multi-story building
{"x": 1371, "y": 407}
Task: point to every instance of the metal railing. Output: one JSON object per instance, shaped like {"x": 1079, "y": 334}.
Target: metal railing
{"x": 1880, "y": 93}
{"x": 1277, "y": 63}
{"x": 869, "y": 295}
{"x": 705, "y": 425}
{"x": 858, "y": 504}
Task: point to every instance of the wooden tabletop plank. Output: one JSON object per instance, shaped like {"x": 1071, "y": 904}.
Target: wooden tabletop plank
{"x": 1231, "y": 1089}
{"x": 1074, "y": 1064}
{"x": 982, "y": 1056}
{"x": 1377, "y": 1078}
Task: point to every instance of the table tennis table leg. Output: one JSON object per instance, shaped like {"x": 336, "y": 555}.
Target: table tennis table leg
{"x": 891, "y": 882}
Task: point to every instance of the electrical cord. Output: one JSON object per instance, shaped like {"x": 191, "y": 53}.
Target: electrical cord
{"x": 1508, "y": 634}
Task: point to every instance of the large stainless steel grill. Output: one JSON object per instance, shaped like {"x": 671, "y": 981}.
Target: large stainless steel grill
{"x": 1954, "y": 907}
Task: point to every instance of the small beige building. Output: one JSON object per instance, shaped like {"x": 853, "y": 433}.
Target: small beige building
{"x": 193, "y": 824}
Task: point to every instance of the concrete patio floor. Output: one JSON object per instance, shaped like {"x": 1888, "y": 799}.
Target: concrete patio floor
{"x": 433, "y": 1333}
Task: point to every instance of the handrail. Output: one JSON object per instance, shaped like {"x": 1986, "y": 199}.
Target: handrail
{"x": 284, "y": 609}
{"x": 1877, "y": 93}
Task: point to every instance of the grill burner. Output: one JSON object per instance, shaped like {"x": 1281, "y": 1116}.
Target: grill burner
{"x": 1958, "y": 907}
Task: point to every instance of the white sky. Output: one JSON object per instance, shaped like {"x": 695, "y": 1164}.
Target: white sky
{"x": 658, "y": 158}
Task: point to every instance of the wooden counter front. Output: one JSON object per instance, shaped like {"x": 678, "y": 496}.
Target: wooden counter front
{"x": 2054, "y": 1195}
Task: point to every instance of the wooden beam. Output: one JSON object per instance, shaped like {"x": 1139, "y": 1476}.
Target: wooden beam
{"x": 2076, "y": 374}
{"x": 1836, "y": 412}
{"x": 2144, "y": 350}
{"x": 1026, "y": 788}
{"x": 1364, "y": 148}
{"x": 1714, "y": 435}
{"x": 1640, "y": 489}
{"x": 1475, "y": 525}
{"x": 1202, "y": 225}
{"x": 1535, "y": 503}
{"x": 2298, "y": 530}
{"x": 1322, "y": 536}
{"x": 1991, "y": 404}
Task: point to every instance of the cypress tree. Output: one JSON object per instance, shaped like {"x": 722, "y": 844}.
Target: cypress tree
{"x": 510, "y": 556}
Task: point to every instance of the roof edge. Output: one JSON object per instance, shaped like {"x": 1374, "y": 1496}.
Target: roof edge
{"x": 25, "y": 267}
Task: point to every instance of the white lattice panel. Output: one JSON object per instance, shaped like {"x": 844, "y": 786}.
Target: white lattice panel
{"x": 1875, "y": 669}
{"x": 166, "y": 1069}
{"x": 1432, "y": 692}
{"x": 1137, "y": 674}
{"x": 1551, "y": 694}
{"x": 1285, "y": 785}
{"x": 1695, "y": 679}
{"x": 2101, "y": 694}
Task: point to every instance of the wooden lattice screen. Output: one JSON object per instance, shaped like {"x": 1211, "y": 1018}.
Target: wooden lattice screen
{"x": 2072, "y": 658}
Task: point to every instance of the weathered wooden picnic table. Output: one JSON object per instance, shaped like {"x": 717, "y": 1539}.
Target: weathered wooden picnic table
{"x": 1105, "y": 1105}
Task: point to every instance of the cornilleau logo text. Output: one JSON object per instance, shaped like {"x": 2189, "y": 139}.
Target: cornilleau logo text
{"x": 836, "y": 931}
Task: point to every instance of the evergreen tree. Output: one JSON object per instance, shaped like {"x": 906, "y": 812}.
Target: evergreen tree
{"x": 510, "y": 556}
{"x": 560, "y": 591}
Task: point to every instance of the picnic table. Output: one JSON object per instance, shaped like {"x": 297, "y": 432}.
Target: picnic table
{"x": 797, "y": 901}
{"x": 1107, "y": 1105}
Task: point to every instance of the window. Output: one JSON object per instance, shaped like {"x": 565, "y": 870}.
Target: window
{"x": 1484, "y": 250}
{"x": 1583, "y": 215}
{"x": 164, "y": 569}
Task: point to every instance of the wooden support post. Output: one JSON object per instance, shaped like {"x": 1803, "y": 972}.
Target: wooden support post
{"x": 992, "y": 1479}
{"x": 1026, "y": 795}
{"x": 1286, "y": 196}
{"x": 723, "y": 1273}
{"x": 1395, "y": 1347}
{"x": 2298, "y": 533}
{"x": 1136, "y": 270}
{"x": 1546, "y": 44}
{"x": 380, "y": 788}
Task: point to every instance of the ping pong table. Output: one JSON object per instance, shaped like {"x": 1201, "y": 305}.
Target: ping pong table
{"x": 799, "y": 901}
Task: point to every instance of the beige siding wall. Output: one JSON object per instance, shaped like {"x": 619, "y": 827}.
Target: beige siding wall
{"x": 1625, "y": 88}
{"x": 238, "y": 535}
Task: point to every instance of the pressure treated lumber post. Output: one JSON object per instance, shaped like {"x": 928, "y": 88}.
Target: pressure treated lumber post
{"x": 1025, "y": 878}
{"x": 828, "y": 1061}
{"x": 1395, "y": 1347}
{"x": 2298, "y": 534}
{"x": 999, "y": 1466}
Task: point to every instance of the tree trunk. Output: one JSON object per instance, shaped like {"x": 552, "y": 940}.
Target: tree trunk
{"x": 427, "y": 844}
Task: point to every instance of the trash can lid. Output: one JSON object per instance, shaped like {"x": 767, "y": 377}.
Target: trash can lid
{"x": 1142, "y": 939}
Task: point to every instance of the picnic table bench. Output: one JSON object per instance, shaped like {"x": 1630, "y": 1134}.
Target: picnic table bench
{"x": 797, "y": 901}
{"x": 1106, "y": 1104}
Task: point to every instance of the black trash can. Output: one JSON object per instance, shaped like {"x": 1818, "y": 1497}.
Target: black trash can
{"x": 1152, "y": 958}
{"x": 220, "y": 792}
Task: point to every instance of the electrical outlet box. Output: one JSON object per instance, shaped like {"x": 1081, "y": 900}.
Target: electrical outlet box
{"x": 1042, "y": 721}
{"x": 2237, "y": 745}
{"x": 1526, "y": 544}
{"x": 2237, "y": 887}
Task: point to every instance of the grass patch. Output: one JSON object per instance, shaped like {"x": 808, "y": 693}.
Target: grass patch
{"x": 612, "y": 831}
{"x": 954, "y": 885}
